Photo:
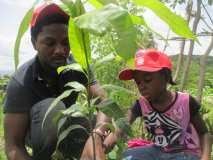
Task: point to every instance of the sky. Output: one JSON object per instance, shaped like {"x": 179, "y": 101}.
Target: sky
{"x": 12, "y": 12}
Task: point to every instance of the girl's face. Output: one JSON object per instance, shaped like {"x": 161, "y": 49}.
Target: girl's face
{"x": 150, "y": 84}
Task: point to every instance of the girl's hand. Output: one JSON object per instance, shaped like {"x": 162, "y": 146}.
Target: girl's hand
{"x": 205, "y": 158}
{"x": 109, "y": 142}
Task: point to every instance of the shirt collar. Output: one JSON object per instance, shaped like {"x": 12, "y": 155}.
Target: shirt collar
{"x": 37, "y": 70}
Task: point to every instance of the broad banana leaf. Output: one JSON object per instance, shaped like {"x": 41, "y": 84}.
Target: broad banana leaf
{"x": 111, "y": 18}
{"x": 177, "y": 24}
{"x": 79, "y": 39}
{"x": 22, "y": 29}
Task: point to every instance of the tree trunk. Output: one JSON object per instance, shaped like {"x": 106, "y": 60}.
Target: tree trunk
{"x": 203, "y": 69}
{"x": 182, "y": 45}
{"x": 191, "y": 48}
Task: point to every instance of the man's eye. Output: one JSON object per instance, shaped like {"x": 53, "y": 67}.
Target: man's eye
{"x": 49, "y": 43}
{"x": 66, "y": 43}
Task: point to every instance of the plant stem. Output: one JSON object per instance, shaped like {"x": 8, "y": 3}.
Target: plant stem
{"x": 88, "y": 93}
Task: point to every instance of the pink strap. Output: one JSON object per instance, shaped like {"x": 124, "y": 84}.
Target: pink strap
{"x": 138, "y": 142}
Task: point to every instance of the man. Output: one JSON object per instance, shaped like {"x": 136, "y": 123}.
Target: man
{"x": 34, "y": 86}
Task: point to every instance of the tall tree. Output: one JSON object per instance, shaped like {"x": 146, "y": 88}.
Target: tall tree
{"x": 203, "y": 69}
{"x": 191, "y": 47}
{"x": 183, "y": 42}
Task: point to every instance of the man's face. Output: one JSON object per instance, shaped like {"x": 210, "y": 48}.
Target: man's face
{"x": 52, "y": 45}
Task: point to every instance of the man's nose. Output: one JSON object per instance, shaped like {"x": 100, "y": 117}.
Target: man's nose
{"x": 60, "y": 50}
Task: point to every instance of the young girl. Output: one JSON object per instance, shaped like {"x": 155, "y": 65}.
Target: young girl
{"x": 171, "y": 118}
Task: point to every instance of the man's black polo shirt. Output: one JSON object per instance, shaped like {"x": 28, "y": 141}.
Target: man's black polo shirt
{"x": 26, "y": 87}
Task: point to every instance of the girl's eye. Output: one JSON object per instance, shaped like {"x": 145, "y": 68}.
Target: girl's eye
{"x": 147, "y": 79}
{"x": 138, "y": 83}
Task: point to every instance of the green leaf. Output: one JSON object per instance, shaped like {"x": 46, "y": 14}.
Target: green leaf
{"x": 115, "y": 19}
{"x": 69, "y": 7}
{"x": 175, "y": 22}
{"x": 78, "y": 87}
{"x": 65, "y": 133}
{"x": 78, "y": 114}
{"x": 70, "y": 110}
{"x": 104, "y": 60}
{"x": 105, "y": 2}
{"x": 140, "y": 21}
{"x": 111, "y": 109}
{"x": 55, "y": 102}
{"x": 95, "y": 3}
{"x": 93, "y": 101}
{"x": 118, "y": 88}
{"x": 94, "y": 21}
{"x": 77, "y": 40}
{"x": 210, "y": 2}
{"x": 79, "y": 8}
{"x": 61, "y": 122}
{"x": 76, "y": 110}
{"x": 57, "y": 155}
{"x": 131, "y": 62}
{"x": 73, "y": 66}
{"x": 124, "y": 124}
{"x": 84, "y": 34}
{"x": 22, "y": 29}
{"x": 111, "y": 127}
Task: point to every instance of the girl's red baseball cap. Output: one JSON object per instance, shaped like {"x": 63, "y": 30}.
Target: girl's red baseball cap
{"x": 149, "y": 60}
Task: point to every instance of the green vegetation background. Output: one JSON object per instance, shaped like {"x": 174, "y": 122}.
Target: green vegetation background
{"x": 107, "y": 74}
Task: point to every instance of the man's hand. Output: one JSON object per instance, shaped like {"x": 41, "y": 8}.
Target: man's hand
{"x": 15, "y": 128}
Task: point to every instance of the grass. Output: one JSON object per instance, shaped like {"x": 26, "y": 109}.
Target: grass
{"x": 2, "y": 153}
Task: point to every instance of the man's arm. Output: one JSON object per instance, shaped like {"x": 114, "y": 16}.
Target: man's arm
{"x": 15, "y": 129}
{"x": 205, "y": 139}
{"x": 101, "y": 121}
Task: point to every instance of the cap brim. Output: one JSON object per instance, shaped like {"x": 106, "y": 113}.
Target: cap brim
{"x": 127, "y": 74}
{"x": 148, "y": 69}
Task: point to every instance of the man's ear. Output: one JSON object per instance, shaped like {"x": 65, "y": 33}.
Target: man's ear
{"x": 33, "y": 40}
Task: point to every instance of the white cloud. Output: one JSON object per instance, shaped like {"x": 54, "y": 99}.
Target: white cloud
{"x": 19, "y": 3}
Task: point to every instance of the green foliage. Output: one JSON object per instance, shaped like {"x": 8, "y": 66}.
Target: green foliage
{"x": 194, "y": 73}
{"x": 117, "y": 151}
{"x": 66, "y": 132}
{"x": 116, "y": 20}
{"x": 3, "y": 81}
{"x": 174, "y": 21}
{"x": 210, "y": 2}
{"x": 22, "y": 29}
{"x": 73, "y": 66}
{"x": 75, "y": 87}
{"x": 111, "y": 109}
{"x": 79, "y": 44}
{"x": 173, "y": 3}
